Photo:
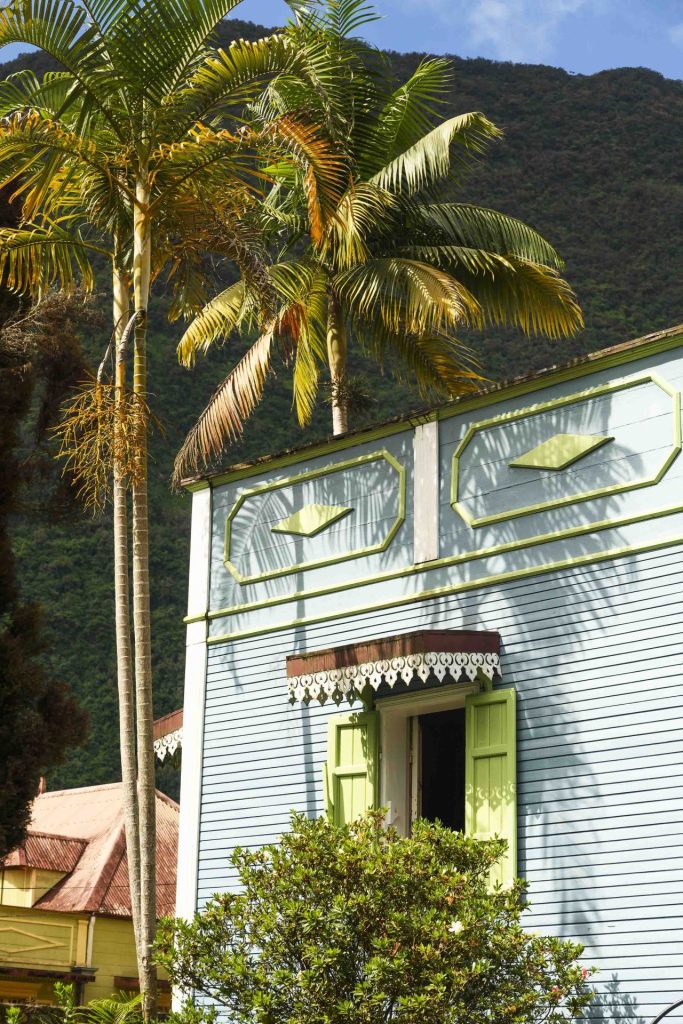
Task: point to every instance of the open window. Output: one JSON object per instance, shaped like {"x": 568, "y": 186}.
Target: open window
{"x": 446, "y": 754}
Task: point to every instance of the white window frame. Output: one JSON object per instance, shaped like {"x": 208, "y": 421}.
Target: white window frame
{"x": 399, "y": 739}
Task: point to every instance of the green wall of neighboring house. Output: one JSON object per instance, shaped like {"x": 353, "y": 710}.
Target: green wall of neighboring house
{"x": 33, "y": 939}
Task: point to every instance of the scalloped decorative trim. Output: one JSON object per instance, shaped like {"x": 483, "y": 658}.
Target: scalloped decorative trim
{"x": 348, "y": 683}
{"x": 167, "y": 745}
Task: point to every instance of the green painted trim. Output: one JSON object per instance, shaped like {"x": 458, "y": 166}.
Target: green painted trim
{"x": 448, "y": 560}
{"x": 455, "y": 588}
{"x": 497, "y": 549}
{"x": 663, "y": 341}
{"x": 556, "y": 403}
{"x": 560, "y": 451}
{"x": 189, "y": 619}
{"x": 313, "y": 474}
{"x": 321, "y": 517}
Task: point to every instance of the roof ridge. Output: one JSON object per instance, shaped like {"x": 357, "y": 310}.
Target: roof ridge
{"x": 78, "y": 789}
{"x": 117, "y": 852}
{"x": 166, "y": 799}
{"x": 493, "y": 392}
{"x": 54, "y": 835}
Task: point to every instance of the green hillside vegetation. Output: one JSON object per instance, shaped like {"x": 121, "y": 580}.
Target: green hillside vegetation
{"x": 594, "y": 163}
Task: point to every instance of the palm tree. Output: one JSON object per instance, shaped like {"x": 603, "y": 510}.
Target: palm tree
{"x": 396, "y": 271}
{"x": 120, "y": 153}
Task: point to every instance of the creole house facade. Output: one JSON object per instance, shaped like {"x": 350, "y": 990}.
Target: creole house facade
{"x": 475, "y": 615}
{"x": 65, "y": 911}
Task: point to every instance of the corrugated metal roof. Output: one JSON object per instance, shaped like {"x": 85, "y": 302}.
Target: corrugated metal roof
{"x": 46, "y": 852}
{"x": 92, "y": 818}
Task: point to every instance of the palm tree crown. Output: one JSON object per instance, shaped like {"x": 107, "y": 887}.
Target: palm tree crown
{"x": 132, "y": 150}
{"x": 396, "y": 270}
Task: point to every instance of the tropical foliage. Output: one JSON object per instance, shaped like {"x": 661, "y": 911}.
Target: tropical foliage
{"x": 553, "y": 171}
{"x": 40, "y": 720}
{"x": 131, "y": 151}
{"x": 395, "y": 271}
{"x": 359, "y": 925}
{"x": 122, "y": 1009}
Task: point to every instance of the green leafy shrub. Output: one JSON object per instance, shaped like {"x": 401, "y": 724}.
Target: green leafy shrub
{"x": 121, "y": 1009}
{"x": 363, "y": 926}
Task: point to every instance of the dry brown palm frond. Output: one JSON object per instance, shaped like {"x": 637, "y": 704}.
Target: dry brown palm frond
{"x": 325, "y": 170}
{"x": 229, "y": 407}
{"x": 100, "y": 430}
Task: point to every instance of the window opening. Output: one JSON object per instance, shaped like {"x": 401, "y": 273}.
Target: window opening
{"x": 438, "y": 776}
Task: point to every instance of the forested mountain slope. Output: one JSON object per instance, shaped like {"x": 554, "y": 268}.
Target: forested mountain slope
{"x": 595, "y": 163}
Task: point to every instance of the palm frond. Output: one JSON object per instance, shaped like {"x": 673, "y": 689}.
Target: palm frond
{"x": 160, "y": 43}
{"x": 452, "y": 258}
{"x": 406, "y": 295}
{"x": 449, "y": 148}
{"x": 24, "y": 91}
{"x": 324, "y": 170}
{"x": 223, "y": 314}
{"x": 343, "y": 17}
{"x": 529, "y": 296}
{"x": 310, "y": 347}
{"x": 205, "y": 154}
{"x": 476, "y": 226}
{"x": 406, "y": 115}
{"x": 60, "y": 28}
{"x": 238, "y": 307}
{"x": 293, "y": 279}
{"x": 124, "y": 1010}
{"x": 359, "y": 217}
{"x": 45, "y": 155}
{"x": 233, "y": 76}
{"x": 437, "y": 363}
{"x": 230, "y": 406}
{"x": 36, "y": 257}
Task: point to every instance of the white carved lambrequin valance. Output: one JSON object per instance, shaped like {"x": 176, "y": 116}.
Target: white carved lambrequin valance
{"x": 339, "y": 674}
{"x": 167, "y": 745}
{"x": 168, "y": 734}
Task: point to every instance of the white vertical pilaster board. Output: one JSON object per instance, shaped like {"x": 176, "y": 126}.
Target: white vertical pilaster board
{"x": 426, "y": 492}
{"x": 193, "y": 706}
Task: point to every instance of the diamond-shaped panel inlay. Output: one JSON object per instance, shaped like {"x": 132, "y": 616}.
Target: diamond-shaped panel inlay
{"x": 561, "y": 451}
{"x": 311, "y": 519}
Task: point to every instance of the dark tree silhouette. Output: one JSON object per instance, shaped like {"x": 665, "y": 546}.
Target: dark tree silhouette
{"x": 40, "y": 720}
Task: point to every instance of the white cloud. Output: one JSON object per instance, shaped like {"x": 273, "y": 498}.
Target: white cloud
{"x": 676, "y": 34}
{"x": 519, "y": 30}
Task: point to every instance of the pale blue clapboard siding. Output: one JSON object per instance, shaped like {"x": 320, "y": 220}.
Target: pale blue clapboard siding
{"x": 370, "y": 489}
{"x": 641, "y": 422}
{"x": 593, "y": 652}
{"x": 596, "y": 659}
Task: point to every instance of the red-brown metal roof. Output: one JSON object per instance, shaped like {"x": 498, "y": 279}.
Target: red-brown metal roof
{"x": 97, "y": 879}
{"x": 46, "y": 852}
{"x": 167, "y": 724}
{"x": 466, "y": 640}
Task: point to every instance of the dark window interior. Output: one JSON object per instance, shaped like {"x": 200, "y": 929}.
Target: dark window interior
{"x": 442, "y": 770}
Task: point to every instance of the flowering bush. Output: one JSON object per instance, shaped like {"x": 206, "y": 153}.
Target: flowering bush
{"x": 363, "y": 926}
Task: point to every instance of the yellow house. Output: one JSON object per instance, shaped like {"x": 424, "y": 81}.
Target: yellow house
{"x": 64, "y": 902}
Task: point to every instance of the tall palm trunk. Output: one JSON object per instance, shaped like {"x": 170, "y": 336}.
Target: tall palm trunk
{"x": 124, "y": 661}
{"x": 141, "y": 605}
{"x": 336, "y": 357}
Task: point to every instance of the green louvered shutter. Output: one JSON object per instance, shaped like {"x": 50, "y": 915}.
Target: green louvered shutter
{"x": 490, "y": 774}
{"x": 350, "y": 773}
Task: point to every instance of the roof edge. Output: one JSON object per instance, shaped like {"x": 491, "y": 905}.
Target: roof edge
{"x": 614, "y": 355}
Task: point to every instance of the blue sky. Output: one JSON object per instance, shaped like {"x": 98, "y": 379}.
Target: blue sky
{"x": 579, "y": 35}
